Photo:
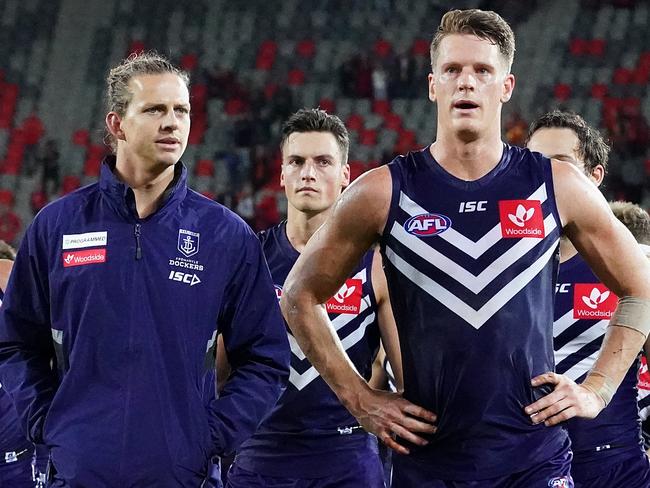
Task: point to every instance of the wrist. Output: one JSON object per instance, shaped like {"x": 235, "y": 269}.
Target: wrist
{"x": 600, "y": 385}
{"x": 352, "y": 396}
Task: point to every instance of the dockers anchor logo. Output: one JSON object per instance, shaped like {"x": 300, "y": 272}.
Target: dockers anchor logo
{"x": 188, "y": 242}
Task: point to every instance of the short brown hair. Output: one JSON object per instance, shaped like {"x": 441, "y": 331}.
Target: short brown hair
{"x": 6, "y": 251}
{"x": 317, "y": 120}
{"x": 592, "y": 148}
{"x": 634, "y": 218}
{"x": 483, "y": 24}
{"x": 118, "y": 95}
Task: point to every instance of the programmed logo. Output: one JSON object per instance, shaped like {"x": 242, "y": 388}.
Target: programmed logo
{"x": 593, "y": 301}
{"x": 347, "y": 299}
{"x": 521, "y": 218}
{"x": 427, "y": 225}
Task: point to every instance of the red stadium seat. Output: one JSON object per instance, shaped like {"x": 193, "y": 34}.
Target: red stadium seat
{"x": 38, "y": 200}
{"x": 296, "y": 77}
{"x": 420, "y": 47}
{"x": 199, "y": 97}
{"x": 306, "y": 48}
{"x": 70, "y": 183}
{"x": 354, "y": 122}
{"x": 578, "y": 47}
{"x": 368, "y": 137}
{"x": 599, "y": 91}
{"x": 562, "y": 92}
{"x": 33, "y": 128}
{"x": 198, "y": 128}
{"x": 622, "y": 76}
{"x": 381, "y": 107}
{"x": 382, "y": 48}
{"x": 235, "y": 106}
{"x": 7, "y": 197}
{"x": 81, "y": 137}
{"x": 393, "y": 121}
{"x": 189, "y": 62}
{"x": 205, "y": 167}
{"x": 270, "y": 89}
{"x": 266, "y": 55}
{"x": 208, "y": 194}
{"x": 328, "y": 105}
{"x": 596, "y": 47}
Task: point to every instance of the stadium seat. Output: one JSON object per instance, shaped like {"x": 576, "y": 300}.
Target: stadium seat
{"x": 562, "y": 92}
{"x": 420, "y": 47}
{"x": 356, "y": 169}
{"x": 205, "y": 167}
{"x": 189, "y": 62}
{"x": 596, "y": 47}
{"x": 382, "y": 48}
{"x": 81, "y": 137}
{"x": 7, "y": 197}
{"x": 368, "y": 137}
{"x": 622, "y": 76}
{"x": 70, "y": 183}
{"x": 599, "y": 90}
{"x": 328, "y": 105}
{"x": 354, "y": 122}
{"x": 578, "y": 47}
{"x": 381, "y": 107}
{"x": 306, "y": 48}
{"x": 296, "y": 77}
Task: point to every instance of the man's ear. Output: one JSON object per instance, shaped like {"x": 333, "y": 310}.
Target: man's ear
{"x": 114, "y": 125}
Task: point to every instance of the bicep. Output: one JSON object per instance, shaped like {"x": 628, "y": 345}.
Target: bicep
{"x": 600, "y": 238}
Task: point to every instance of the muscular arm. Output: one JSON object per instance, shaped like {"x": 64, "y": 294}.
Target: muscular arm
{"x": 387, "y": 326}
{"x": 330, "y": 256}
{"x": 614, "y": 256}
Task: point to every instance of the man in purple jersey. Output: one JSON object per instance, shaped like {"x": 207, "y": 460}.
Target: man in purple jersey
{"x": 607, "y": 450}
{"x": 483, "y": 439}
{"x": 310, "y": 439}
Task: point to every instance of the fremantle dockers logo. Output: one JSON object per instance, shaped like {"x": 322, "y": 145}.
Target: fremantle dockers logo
{"x": 188, "y": 242}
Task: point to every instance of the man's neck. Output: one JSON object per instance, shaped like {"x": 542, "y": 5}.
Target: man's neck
{"x": 302, "y": 225}
{"x": 148, "y": 185}
{"x": 567, "y": 250}
{"x": 467, "y": 160}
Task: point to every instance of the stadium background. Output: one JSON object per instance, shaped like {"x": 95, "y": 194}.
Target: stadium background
{"x": 254, "y": 62}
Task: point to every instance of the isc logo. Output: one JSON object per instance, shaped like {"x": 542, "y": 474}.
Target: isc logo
{"x": 425, "y": 225}
{"x": 562, "y": 287}
{"x": 467, "y": 207}
{"x": 189, "y": 279}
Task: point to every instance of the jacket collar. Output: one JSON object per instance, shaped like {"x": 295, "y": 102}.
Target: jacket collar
{"x": 121, "y": 196}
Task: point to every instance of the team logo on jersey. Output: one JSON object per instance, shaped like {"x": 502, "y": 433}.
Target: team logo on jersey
{"x": 644, "y": 375}
{"x": 347, "y": 299}
{"x": 188, "y": 242}
{"x": 560, "y": 482}
{"x": 427, "y": 225}
{"x": 593, "y": 301}
{"x": 81, "y": 258}
{"x": 278, "y": 292}
{"x": 521, "y": 218}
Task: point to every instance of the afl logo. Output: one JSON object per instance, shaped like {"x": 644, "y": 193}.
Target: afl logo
{"x": 278, "y": 292}
{"x": 426, "y": 225}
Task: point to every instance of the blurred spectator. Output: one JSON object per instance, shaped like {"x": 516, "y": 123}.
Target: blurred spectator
{"x": 245, "y": 206}
{"x": 49, "y": 162}
{"x": 516, "y": 129}
{"x": 379, "y": 83}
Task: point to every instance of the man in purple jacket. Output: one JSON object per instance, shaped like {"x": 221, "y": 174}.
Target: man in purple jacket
{"x": 125, "y": 284}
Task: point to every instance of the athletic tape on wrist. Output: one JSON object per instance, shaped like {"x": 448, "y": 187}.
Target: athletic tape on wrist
{"x": 633, "y": 313}
{"x": 606, "y": 390}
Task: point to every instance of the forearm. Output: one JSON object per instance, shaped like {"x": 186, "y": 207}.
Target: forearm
{"x": 319, "y": 342}
{"x": 620, "y": 348}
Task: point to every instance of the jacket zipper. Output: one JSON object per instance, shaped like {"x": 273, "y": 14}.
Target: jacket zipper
{"x": 138, "y": 249}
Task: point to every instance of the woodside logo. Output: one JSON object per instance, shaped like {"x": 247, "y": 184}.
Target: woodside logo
{"x": 81, "y": 258}
{"x": 347, "y": 299}
{"x": 593, "y": 301}
{"x": 521, "y": 218}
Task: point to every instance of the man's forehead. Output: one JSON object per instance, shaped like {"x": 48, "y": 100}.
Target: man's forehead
{"x": 461, "y": 47}
{"x": 311, "y": 144}
{"x": 159, "y": 87}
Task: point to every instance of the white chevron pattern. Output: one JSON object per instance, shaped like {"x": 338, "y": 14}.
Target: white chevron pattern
{"x": 458, "y": 240}
{"x": 301, "y": 380}
{"x": 473, "y": 283}
{"x": 476, "y": 318}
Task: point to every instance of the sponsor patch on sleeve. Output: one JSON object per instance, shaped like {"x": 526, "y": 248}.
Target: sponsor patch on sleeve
{"x": 80, "y": 241}
{"x": 81, "y": 258}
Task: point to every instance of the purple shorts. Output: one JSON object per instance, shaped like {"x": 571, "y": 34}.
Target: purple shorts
{"x": 631, "y": 473}
{"x": 368, "y": 474}
{"x": 554, "y": 473}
